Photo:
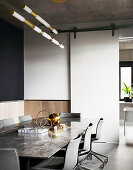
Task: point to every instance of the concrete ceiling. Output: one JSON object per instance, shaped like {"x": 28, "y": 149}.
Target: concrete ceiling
{"x": 71, "y": 12}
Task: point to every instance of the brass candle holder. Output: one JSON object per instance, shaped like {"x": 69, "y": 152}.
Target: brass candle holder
{"x": 54, "y": 119}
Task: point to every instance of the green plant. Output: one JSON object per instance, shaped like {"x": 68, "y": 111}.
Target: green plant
{"x": 127, "y": 90}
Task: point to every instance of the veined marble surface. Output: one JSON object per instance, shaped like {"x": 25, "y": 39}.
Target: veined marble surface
{"x": 42, "y": 146}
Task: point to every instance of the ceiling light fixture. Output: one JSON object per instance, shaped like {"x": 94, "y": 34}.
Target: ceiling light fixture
{"x": 59, "y": 1}
{"x": 27, "y": 9}
{"x": 35, "y": 28}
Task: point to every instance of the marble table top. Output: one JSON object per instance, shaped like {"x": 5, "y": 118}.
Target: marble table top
{"x": 42, "y": 146}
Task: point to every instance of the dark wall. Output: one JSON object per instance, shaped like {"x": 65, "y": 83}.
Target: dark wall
{"x": 11, "y": 62}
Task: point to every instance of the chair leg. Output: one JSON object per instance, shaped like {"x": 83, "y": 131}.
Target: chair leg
{"x": 82, "y": 167}
{"x": 102, "y": 165}
{"x": 86, "y": 153}
{"x": 89, "y": 156}
{"x": 106, "y": 160}
{"x": 79, "y": 164}
{"x": 95, "y": 155}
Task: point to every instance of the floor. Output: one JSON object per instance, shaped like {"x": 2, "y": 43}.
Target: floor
{"x": 120, "y": 156}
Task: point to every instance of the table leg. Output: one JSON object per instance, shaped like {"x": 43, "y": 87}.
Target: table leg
{"x": 124, "y": 122}
{"x": 28, "y": 164}
{"x": 24, "y": 163}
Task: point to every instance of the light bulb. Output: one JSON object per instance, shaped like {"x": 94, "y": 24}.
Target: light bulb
{"x": 16, "y": 15}
{"x": 27, "y": 9}
{"x": 61, "y": 46}
{"x": 37, "y": 29}
{"x": 54, "y": 31}
{"x": 42, "y": 21}
{"x": 55, "y": 42}
{"x": 46, "y": 35}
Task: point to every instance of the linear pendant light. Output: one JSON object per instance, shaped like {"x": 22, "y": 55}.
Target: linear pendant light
{"x": 35, "y": 28}
{"x": 59, "y": 1}
{"x": 27, "y": 9}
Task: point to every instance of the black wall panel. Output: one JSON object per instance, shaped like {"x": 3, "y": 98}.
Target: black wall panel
{"x": 11, "y": 62}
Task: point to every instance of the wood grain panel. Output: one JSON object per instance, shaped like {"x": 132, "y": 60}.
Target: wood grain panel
{"x": 33, "y": 107}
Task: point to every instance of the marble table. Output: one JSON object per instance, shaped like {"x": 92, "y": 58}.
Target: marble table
{"x": 42, "y": 146}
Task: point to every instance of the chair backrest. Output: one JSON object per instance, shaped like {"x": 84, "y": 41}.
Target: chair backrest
{"x": 71, "y": 158}
{"x": 75, "y": 115}
{"x": 9, "y": 159}
{"x": 65, "y": 115}
{"x": 87, "y": 138}
{"x": 70, "y": 115}
{"x": 98, "y": 128}
{"x": 24, "y": 118}
{"x": 7, "y": 122}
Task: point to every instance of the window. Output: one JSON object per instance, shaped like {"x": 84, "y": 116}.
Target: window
{"x": 126, "y": 73}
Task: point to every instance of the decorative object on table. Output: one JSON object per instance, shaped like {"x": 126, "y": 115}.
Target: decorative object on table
{"x": 54, "y": 133}
{"x": 32, "y": 135}
{"x": 128, "y": 91}
{"x": 32, "y": 130}
{"x": 41, "y": 119}
{"x": 54, "y": 119}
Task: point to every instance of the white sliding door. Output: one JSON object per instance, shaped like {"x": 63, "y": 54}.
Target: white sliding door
{"x": 95, "y": 79}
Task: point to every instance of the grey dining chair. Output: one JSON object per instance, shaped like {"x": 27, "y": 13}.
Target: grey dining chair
{"x": 95, "y": 137}
{"x": 69, "y": 162}
{"x": 24, "y": 118}
{"x": 70, "y": 115}
{"x": 9, "y": 159}
{"x": 7, "y": 122}
{"x": 84, "y": 147}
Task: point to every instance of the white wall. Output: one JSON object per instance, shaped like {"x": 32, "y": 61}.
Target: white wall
{"x": 12, "y": 109}
{"x": 95, "y": 79}
{"x": 46, "y": 67}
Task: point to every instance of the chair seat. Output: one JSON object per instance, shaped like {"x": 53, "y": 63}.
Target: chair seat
{"x": 52, "y": 163}
{"x": 93, "y": 137}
